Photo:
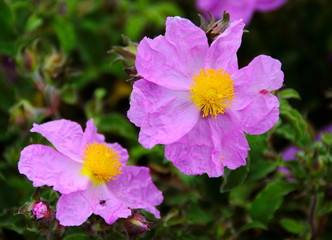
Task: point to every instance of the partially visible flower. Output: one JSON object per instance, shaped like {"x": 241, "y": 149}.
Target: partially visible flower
{"x": 289, "y": 153}
{"x": 40, "y": 210}
{"x": 239, "y": 9}
{"x": 91, "y": 174}
{"x": 194, "y": 99}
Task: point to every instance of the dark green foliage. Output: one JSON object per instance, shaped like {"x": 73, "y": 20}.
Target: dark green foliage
{"x": 56, "y": 62}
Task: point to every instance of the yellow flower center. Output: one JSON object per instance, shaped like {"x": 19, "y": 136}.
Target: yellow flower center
{"x": 101, "y": 163}
{"x": 213, "y": 91}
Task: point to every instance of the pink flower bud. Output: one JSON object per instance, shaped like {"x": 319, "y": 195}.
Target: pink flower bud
{"x": 39, "y": 210}
{"x": 136, "y": 224}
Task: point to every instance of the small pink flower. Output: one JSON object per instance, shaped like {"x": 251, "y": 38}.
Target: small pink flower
{"x": 193, "y": 98}
{"x": 239, "y": 9}
{"x": 39, "y": 210}
{"x": 91, "y": 174}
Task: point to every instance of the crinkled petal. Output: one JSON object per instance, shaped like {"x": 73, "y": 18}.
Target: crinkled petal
{"x": 123, "y": 153}
{"x": 134, "y": 187}
{"x": 190, "y": 40}
{"x": 91, "y": 135}
{"x": 173, "y": 61}
{"x": 164, "y": 115}
{"x": 260, "y": 115}
{"x": 234, "y": 145}
{"x": 43, "y": 165}
{"x": 254, "y": 105}
{"x": 262, "y": 73}
{"x": 104, "y": 204}
{"x": 268, "y": 5}
{"x": 222, "y": 53}
{"x": 73, "y": 209}
{"x": 65, "y": 135}
{"x": 209, "y": 146}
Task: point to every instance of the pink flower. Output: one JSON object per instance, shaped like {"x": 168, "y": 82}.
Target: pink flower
{"x": 39, "y": 210}
{"x": 193, "y": 98}
{"x": 91, "y": 174}
{"x": 238, "y": 9}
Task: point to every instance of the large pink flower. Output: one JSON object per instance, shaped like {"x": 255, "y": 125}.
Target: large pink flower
{"x": 92, "y": 175}
{"x": 193, "y": 98}
{"x": 238, "y": 9}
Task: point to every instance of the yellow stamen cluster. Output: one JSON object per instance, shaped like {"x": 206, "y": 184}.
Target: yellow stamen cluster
{"x": 213, "y": 91}
{"x": 101, "y": 163}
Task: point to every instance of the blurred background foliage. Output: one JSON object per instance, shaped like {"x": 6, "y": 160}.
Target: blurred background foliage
{"x": 55, "y": 62}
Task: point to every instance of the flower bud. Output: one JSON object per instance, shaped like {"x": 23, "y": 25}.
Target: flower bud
{"x": 40, "y": 210}
{"x": 136, "y": 224}
{"x": 54, "y": 64}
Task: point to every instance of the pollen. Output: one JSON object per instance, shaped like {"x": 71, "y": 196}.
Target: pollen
{"x": 101, "y": 163}
{"x": 212, "y": 92}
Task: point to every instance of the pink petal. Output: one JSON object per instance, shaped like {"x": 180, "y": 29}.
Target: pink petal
{"x": 268, "y": 5}
{"x": 136, "y": 190}
{"x": 262, "y": 73}
{"x": 190, "y": 40}
{"x": 209, "y": 146}
{"x": 261, "y": 114}
{"x": 172, "y": 61}
{"x": 65, "y": 136}
{"x": 45, "y": 166}
{"x": 73, "y": 209}
{"x": 164, "y": 115}
{"x": 254, "y": 105}
{"x": 104, "y": 204}
{"x": 222, "y": 53}
{"x": 91, "y": 135}
{"x": 123, "y": 153}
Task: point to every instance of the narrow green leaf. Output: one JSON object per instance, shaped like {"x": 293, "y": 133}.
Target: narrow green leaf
{"x": 251, "y": 225}
{"x": 289, "y": 93}
{"x": 33, "y": 23}
{"x": 293, "y": 226}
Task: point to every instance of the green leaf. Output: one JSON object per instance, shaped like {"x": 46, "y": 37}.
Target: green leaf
{"x": 134, "y": 26}
{"x": 13, "y": 222}
{"x": 261, "y": 169}
{"x": 6, "y": 20}
{"x": 293, "y": 226}
{"x": 65, "y": 33}
{"x": 251, "y": 225}
{"x": 33, "y": 23}
{"x": 78, "y": 236}
{"x": 117, "y": 124}
{"x": 240, "y": 196}
{"x": 234, "y": 178}
{"x": 258, "y": 145}
{"x": 269, "y": 200}
{"x": 7, "y": 43}
{"x": 69, "y": 94}
{"x": 196, "y": 214}
{"x": 327, "y": 138}
{"x": 289, "y": 93}
{"x": 294, "y": 128}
